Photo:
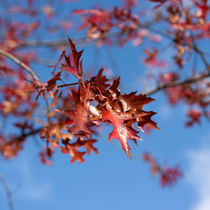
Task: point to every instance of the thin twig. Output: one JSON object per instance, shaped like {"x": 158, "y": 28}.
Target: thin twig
{"x": 178, "y": 83}
{"x": 55, "y": 43}
{"x": 206, "y": 114}
{"x": 7, "y": 191}
{"x": 68, "y": 84}
{"x": 48, "y": 111}
{"x": 61, "y": 42}
{"x": 20, "y": 63}
{"x": 44, "y": 43}
{"x": 25, "y": 135}
{"x": 31, "y": 133}
{"x": 202, "y": 57}
{"x": 112, "y": 59}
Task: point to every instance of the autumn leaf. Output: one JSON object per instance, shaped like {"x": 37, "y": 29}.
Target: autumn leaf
{"x": 194, "y": 116}
{"x": 121, "y": 131}
{"x": 145, "y": 120}
{"x": 76, "y": 68}
{"x": 168, "y": 175}
{"x": 59, "y": 60}
{"x": 132, "y": 101}
{"x": 45, "y": 156}
{"x": 100, "y": 81}
{"x": 88, "y": 145}
{"x": 203, "y": 6}
{"x": 80, "y": 118}
{"x": 51, "y": 83}
{"x": 71, "y": 149}
{"x": 48, "y": 11}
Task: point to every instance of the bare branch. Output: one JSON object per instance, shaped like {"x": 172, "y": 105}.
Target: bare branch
{"x": 31, "y": 133}
{"x": 24, "y": 135}
{"x": 202, "y": 57}
{"x": 64, "y": 42}
{"x": 56, "y": 43}
{"x": 69, "y": 84}
{"x": 44, "y": 43}
{"x": 7, "y": 191}
{"x": 21, "y": 64}
{"x": 206, "y": 114}
{"x": 178, "y": 83}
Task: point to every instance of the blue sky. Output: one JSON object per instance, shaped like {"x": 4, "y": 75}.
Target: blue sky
{"x": 111, "y": 180}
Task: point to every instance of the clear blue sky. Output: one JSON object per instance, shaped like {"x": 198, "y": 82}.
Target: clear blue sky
{"x": 111, "y": 180}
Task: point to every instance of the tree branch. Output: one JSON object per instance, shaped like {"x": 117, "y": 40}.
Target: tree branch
{"x": 68, "y": 84}
{"x": 64, "y": 42}
{"x": 57, "y": 43}
{"x": 202, "y": 57}
{"x": 178, "y": 83}
{"x": 24, "y": 135}
{"x": 44, "y": 43}
{"x": 8, "y": 192}
{"x": 20, "y": 63}
{"x": 31, "y": 133}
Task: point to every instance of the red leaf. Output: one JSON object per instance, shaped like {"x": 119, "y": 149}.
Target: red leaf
{"x": 72, "y": 150}
{"x": 51, "y": 83}
{"x": 146, "y": 120}
{"x": 30, "y": 3}
{"x": 59, "y": 60}
{"x": 80, "y": 117}
{"x": 169, "y": 176}
{"x": 44, "y": 155}
{"x": 121, "y": 131}
{"x": 74, "y": 69}
{"x": 194, "y": 117}
{"x": 88, "y": 145}
{"x": 76, "y": 155}
{"x": 204, "y": 7}
{"x": 133, "y": 101}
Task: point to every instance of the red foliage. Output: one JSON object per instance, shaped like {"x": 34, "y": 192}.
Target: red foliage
{"x": 76, "y": 69}
{"x": 168, "y": 175}
{"x": 121, "y": 131}
{"x": 44, "y": 155}
{"x": 204, "y": 7}
{"x": 74, "y": 111}
{"x": 194, "y": 117}
{"x": 75, "y": 124}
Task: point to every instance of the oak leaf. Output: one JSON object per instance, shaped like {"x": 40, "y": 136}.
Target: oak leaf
{"x": 121, "y": 131}
{"x": 76, "y": 68}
